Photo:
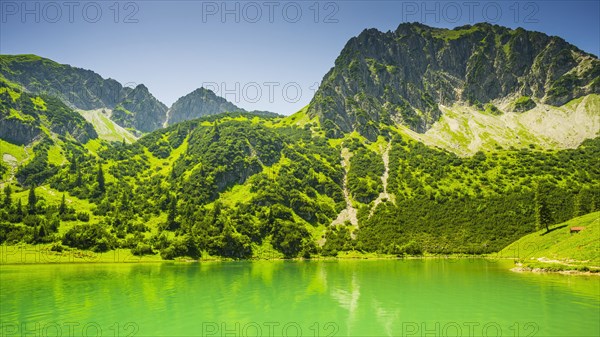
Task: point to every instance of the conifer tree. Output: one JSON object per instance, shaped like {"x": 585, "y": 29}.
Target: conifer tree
{"x": 63, "y": 206}
{"x": 100, "y": 179}
{"x": 542, "y": 211}
{"x": 32, "y": 200}
{"x": 172, "y": 215}
{"x": 19, "y": 209}
{"x": 7, "y": 197}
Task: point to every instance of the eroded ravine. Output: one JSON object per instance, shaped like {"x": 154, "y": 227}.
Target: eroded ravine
{"x": 349, "y": 213}
{"x": 384, "y": 196}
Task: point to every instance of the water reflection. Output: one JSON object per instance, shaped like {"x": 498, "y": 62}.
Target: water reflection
{"x": 348, "y": 299}
{"x": 387, "y": 318}
{"x": 362, "y": 298}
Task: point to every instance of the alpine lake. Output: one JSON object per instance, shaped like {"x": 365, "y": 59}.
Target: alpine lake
{"x": 410, "y": 297}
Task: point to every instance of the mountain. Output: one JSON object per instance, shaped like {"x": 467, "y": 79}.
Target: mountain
{"x": 404, "y": 77}
{"x": 85, "y": 90}
{"x": 204, "y": 102}
{"x": 79, "y": 88}
{"x": 140, "y": 110}
{"x": 199, "y": 103}
{"x": 25, "y": 117}
{"x": 135, "y": 109}
{"x": 240, "y": 186}
{"x": 387, "y": 158}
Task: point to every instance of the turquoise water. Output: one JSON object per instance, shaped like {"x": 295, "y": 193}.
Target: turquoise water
{"x": 430, "y": 297}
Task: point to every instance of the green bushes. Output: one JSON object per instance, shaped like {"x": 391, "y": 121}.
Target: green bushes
{"x": 184, "y": 246}
{"x": 237, "y": 184}
{"x": 563, "y": 86}
{"x": 479, "y": 204}
{"x": 93, "y": 237}
{"x": 337, "y": 238}
{"x": 232, "y": 244}
{"x": 364, "y": 176}
{"x": 83, "y": 216}
{"x": 142, "y": 249}
{"x": 491, "y": 109}
{"x": 523, "y": 103}
{"x": 291, "y": 239}
{"x": 12, "y": 234}
{"x": 37, "y": 170}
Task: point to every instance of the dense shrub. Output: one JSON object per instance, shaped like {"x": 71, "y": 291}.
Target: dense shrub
{"x": 89, "y": 236}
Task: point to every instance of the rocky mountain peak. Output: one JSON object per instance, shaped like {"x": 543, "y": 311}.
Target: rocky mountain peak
{"x": 403, "y": 77}
{"x": 198, "y": 103}
{"x": 84, "y": 89}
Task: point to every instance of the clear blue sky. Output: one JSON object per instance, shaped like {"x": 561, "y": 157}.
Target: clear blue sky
{"x": 174, "y": 47}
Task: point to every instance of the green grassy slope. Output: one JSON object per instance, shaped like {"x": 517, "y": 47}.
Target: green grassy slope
{"x": 105, "y": 127}
{"x": 559, "y": 245}
{"x": 464, "y": 130}
{"x": 12, "y": 156}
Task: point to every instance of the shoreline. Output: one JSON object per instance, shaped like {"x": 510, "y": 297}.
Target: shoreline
{"x": 33, "y": 255}
{"x": 546, "y": 271}
{"x": 37, "y": 255}
{"x": 555, "y": 267}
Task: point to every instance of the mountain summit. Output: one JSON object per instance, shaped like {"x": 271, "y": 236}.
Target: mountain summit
{"x": 135, "y": 109}
{"x": 84, "y": 89}
{"x": 200, "y": 102}
{"x": 140, "y": 110}
{"x": 402, "y": 77}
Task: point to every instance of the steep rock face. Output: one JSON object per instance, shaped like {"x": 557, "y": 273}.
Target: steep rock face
{"x": 85, "y": 90}
{"x": 16, "y": 132}
{"x": 200, "y": 102}
{"x": 140, "y": 110}
{"x": 23, "y": 115}
{"x": 403, "y": 76}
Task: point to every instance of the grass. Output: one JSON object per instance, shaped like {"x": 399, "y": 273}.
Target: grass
{"x": 17, "y": 151}
{"x": 592, "y": 104}
{"x": 299, "y": 119}
{"x": 15, "y": 155}
{"x": 361, "y": 255}
{"x": 14, "y": 95}
{"x": 265, "y": 251}
{"x": 491, "y": 109}
{"x": 54, "y": 197}
{"x": 39, "y": 103}
{"x": 273, "y": 170}
{"x": 94, "y": 146}
{"x": 454, "y": 34}
{"x": 559, "y": 249}
{"x": 16, "y": 114}
{"x": 106, "y": 128}
{"x": 463, "y": 130}
{"x": 377, "y": 146}
{"x": 335, "y": 142}
{"x": 56, "y": 156}
{"x": 237, "y": 194}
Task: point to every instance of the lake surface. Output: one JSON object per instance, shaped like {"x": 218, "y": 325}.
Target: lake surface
{"x": 430, "y": 297}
